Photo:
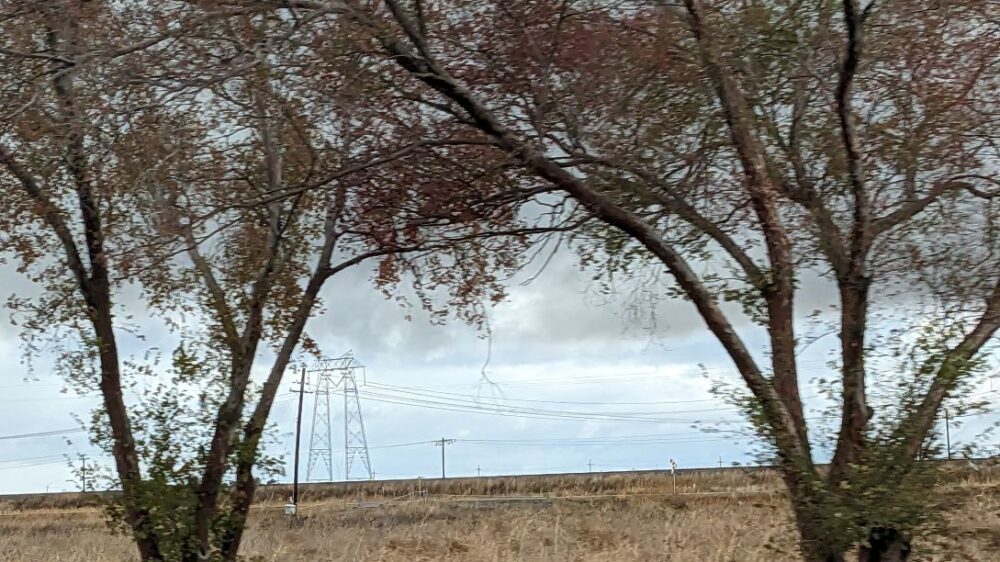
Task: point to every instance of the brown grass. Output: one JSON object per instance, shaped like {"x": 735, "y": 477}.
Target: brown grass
{"x": 580, "y": 519}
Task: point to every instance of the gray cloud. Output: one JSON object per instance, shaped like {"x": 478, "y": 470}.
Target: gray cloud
{"x": 557, "y": 329}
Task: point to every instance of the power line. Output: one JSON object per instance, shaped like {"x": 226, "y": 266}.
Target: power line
{"x": 531, "y": 413}
{"x": 32, "y": 459}
{"x": 31, "y": 385}
{"x": 608, "y": 443}
{"x": 654, "y": 438}
{"x": 593, "y": 379}
{"x": 637, "y": 376}
{"x": 397, "y": 445}
{"x": 608, "y": 437}
{"x": 49, "y": 399}
{"x": 465, "y": 399}
{"x": 583, "y": 379}
{"x": 465, "y": 408}
{"x": 32, "y": 465}
{"x": 418, "y": 390}
{"x": 42, "y": 434}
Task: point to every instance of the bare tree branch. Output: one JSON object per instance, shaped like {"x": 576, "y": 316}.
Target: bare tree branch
{"x": 426, "y": 69}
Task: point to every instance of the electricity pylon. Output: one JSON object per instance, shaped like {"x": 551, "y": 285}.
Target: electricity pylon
{"x": 355, "y": 441}
{"x": 340, "y": 372}
{"x": 321, "y": 436}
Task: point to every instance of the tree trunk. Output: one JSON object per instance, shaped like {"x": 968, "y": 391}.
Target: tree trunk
{"x": 246, "y": 484}
{"x": 885, "y": 545}
{"x": 856, "y": 413}
{"x": 808, "y": 497}
{"x": 95, "y": 285}
{"x": 123, "y": 449}
{"x": 227, "y": 424}
{"x": 816, "y": 546}
{"x": 243, "y": 494}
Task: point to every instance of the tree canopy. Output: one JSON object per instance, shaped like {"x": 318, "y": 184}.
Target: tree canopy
{"x": 243, "y": 152}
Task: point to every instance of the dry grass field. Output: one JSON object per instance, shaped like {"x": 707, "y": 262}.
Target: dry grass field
{"x": 715, "y": 517}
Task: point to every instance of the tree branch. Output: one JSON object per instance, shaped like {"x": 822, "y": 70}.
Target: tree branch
{"x": 215, "y": 292}
{"x": 427, "y": 70}
{"x": 51, "y": 215}
{"x": 913, "y": 429}
{"x": 861, "y": 233}
{"x": 779, "y": 292}
{"x": 688, "y": 213}
{"x": 912, "y": 208}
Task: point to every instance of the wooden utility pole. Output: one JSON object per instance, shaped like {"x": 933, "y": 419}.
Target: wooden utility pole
{"x": 947, "y": 432}
{"x": 83, "y": 472}
{"x": 442, "y": 443}
{"x": 298, "y": 439}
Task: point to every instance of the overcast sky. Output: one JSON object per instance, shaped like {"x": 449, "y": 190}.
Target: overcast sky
{"x": 557, "y": 345}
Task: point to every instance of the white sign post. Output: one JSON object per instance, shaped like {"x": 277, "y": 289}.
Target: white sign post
{"x": 673, "y": 475}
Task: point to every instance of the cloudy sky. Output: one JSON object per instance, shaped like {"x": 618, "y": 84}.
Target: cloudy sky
{"x": 575, "y": 383}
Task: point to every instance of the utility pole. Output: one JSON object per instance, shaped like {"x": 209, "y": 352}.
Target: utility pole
{"x": 298, "y": 440}
{"x": 442, "y": 443}
{"x": 83, "y": 472}
{"x": 720, "y": 461}
{"x": 479, "y": 473}
{"x": 590, "y": 466}
{"x": 947, "y": 431}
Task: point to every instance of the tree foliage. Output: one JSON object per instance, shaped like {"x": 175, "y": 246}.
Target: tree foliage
{"x": 230, "y": 157}
{"x": 226, "y": 162}
{"x": 747, "y": 147}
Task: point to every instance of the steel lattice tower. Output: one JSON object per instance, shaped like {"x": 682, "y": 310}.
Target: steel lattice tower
{"x": 321, "y": 437}
{"x": 355, "y": 442}
{"x": 340, "y": 372}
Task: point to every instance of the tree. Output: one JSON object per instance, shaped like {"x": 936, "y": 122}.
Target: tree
{"x": 204, "y": 161}
{"x": 760, "y": 141}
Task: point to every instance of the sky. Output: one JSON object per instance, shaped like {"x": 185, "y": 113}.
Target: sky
{"x": 625, "y": 396}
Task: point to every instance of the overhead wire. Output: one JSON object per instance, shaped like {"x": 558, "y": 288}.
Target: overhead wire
{"x": 32, "y": 465}
{"x": 48, "y": 399}
{"x": 397, "y": 445}
{"x": 540, "y": 401}
{"x": 31, "y": 385}
{"x": 597, "y": 437}
{"x": 529, "y": 413}
{"x": 464, "y": 400}
{"x": 602, "y": 443}
{"x": 582, "y": 379}
{"x": 661, "y": 438}
{"x": 43, "y": 433}
{"x": 32, "y": 459}
{"x": 474, "y": 401}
